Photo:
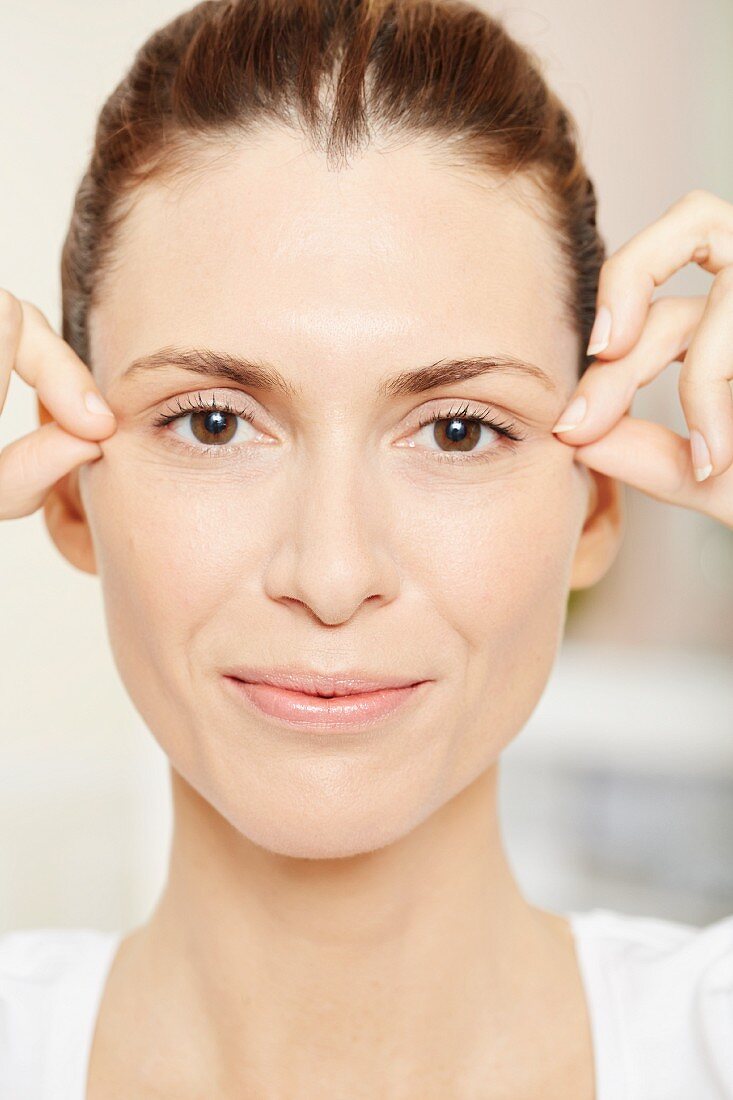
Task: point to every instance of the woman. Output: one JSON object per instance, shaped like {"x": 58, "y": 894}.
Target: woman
{"x": 334, "y": 267}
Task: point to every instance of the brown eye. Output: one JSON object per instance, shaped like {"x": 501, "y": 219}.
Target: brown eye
{"x": 205, "y": 427}
{"x": 455, "y": 433}
{"x": 213, "y": 426}
{"x": 458, "y": 433}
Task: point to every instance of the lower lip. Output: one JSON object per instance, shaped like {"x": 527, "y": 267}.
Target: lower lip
{"x": 313, "y": 712}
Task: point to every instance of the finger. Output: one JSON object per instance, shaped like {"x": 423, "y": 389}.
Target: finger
{"x": 704, "y": 381}
{"x": 62, "y": 380}
{"x": 656, "y": 460}
{"x": 698, "y": 228}
{"x": 609, "y": 389}
{"x": 29, "y": 466}
{"x": 11, "y": 320}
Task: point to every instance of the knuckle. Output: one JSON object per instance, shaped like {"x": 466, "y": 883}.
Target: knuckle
{"x": 594, "y": 370}
{"x": 11, "y": 312}
{"x": 723, "y": 281}
{"x": 681, "y": 464}
{"x": 611, "y": 266}
{"x": 664, "y": 308}
{"x": 670, "y": 318}
{"x": 688, "y": 384}
{"x": 697, "y": 197}
{"x": 19, "y": 465}
{"x": 7, "y": 478}
{"x": 33, "y": 311}
{"x": 12, "y": 504}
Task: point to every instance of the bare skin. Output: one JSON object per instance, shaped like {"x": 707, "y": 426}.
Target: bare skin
{"x": 339, "y": 917}
{"x": 386, "y": 993}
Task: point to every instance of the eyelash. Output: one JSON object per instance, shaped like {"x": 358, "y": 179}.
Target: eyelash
{"x": 194, "y": 403}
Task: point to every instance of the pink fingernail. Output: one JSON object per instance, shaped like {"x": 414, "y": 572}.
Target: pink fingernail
{"x": 95, "y": 405}
{"x": 572, "y": 415}
{"x": 700, "y": 455}
{"x": 601, "y": 331}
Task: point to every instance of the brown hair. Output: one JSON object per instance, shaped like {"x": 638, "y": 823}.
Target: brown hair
{"x": 336, "y": 71}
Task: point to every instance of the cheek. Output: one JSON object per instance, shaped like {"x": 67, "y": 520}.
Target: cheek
{"x": 169, "y": 548}
{"x": 498, "y": 570}
{"x": 499, "y": 555}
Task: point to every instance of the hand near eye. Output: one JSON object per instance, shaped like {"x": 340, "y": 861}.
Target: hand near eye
{"x": 644, "y": 338}
{"x": 29, "y": 466}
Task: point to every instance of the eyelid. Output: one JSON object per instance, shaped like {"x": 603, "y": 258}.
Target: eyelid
{"x": 211, "y": 396}
{"x": 238, "y": 402}
{"x": 448, "y": 406}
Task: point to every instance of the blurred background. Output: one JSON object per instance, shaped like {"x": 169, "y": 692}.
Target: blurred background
{"x": 619, "y": 791}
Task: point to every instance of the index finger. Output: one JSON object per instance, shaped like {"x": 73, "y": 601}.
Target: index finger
{"x": 63, "y": 382}
{"x": 698, "y": 228}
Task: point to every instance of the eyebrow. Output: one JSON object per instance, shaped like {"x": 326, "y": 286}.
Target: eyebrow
{"x": 260, "y": 375}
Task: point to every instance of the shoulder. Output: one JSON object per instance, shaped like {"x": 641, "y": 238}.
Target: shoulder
{"x": 666, "y": 988}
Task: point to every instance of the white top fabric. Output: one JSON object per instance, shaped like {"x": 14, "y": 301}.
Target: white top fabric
{"x": 51, "y": 982}
{"x": 660, "y": 998}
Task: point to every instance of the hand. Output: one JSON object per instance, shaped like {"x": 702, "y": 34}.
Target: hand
{"x": 644, "y": 339}
{"x": 29, "y": 466}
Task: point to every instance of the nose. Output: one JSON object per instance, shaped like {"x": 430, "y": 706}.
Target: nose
{"x": 334, "y": 549}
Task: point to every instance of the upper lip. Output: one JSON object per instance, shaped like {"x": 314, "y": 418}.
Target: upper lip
{"x": 321, "y": 683}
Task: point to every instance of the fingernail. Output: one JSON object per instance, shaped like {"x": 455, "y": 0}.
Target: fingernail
{"x": 572, "y": 415}
{"x": 601, "y": 331}
{"x": 96, "y": 405}
{"x": 700, "y": 455}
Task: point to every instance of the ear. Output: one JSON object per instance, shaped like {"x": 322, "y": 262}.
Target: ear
{"x": 65, "y": 517}
{"x": 603, "y": 530}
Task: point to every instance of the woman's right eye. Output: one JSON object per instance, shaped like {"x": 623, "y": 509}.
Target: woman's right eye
{"x": 210, "y": 426}
{"x": 214, "y": 427}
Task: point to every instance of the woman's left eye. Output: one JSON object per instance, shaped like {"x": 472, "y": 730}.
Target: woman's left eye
{"x": 457, "y": 433}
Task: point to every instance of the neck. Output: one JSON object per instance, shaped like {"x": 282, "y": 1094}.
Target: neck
{"x": 372, "y": 968}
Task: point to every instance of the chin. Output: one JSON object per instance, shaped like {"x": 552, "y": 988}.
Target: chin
{"x": 315, "y": 835}
{"x": 307, "y": 827}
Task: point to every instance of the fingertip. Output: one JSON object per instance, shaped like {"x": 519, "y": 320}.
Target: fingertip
{"x": 96, "y": 405}
{"x": 572, "y": 415}
{"x": 601, "y": 332}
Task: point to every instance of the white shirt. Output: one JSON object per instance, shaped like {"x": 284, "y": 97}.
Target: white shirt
{"x": 659, "y": 993}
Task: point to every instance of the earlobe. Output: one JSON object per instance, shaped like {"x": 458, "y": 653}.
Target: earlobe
{"x": 66, "y": 520}
{"x": 603, "y": 531}
{"x": 67, "y": 523}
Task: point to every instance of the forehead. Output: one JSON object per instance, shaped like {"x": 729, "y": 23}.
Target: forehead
{"x": 264, "y": 249}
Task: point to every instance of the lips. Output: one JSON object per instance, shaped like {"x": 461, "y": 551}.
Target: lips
{"x": 319, "y": 684}
{"x": 321, "y": 714}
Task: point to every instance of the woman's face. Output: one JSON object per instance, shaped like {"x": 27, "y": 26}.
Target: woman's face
{"x": 316, "y": 536}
